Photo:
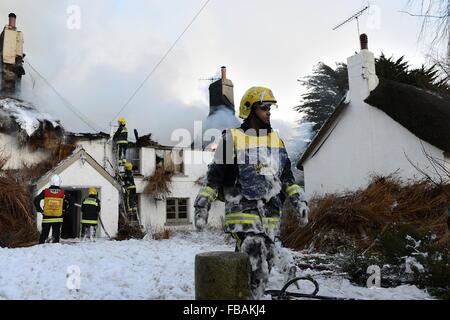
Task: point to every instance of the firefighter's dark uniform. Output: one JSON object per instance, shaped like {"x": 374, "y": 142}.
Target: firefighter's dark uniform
{"x": 90, "y": 209}
{"x": 253, "y": 174}
{"x": 130, "y": 189}
{"x": 55, "y": 204}
{"x": 121, "y": 140}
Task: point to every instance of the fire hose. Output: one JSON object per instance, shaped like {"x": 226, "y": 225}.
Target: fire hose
{"x": 286, "y": 295}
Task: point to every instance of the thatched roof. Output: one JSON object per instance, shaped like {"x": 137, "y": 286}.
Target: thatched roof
{"x": 26, "y": 121}
{"x": 86, "y": 136}
{"x": 426, "y": 114}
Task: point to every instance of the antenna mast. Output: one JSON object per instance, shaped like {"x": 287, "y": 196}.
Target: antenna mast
{"x": 353, "y": 17}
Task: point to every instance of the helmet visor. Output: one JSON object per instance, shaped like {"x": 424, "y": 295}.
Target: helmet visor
{"x": 266, "y": 106}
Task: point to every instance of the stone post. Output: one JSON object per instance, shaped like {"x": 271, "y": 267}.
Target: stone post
{"x": 222, "y": 275}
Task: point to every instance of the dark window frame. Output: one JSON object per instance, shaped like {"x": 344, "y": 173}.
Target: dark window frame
{"x": 177, "y": 219}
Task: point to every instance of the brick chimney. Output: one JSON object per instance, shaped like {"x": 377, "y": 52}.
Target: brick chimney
{"x": 361, "y": 72}
{"x": 221, "y": 93}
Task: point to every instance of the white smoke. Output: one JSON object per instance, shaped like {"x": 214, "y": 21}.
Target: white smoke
{"x": 222, "y": 118}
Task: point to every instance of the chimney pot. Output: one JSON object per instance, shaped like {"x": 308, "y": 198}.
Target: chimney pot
{"x": 364, "y": 41}
{"x": 224, "y": 73}
{"x": 12, "y": 20}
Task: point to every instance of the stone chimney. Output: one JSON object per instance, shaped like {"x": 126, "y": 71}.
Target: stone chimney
{"x": 361, "y": 72}
{"x": 221, "y": 93}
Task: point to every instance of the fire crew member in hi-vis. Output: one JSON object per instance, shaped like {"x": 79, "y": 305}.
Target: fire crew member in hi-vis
{"x": 251, "y": 172}
{"x": 90, "y": 209}
{"x": 130, "y": 190}
{"x": 121, "y": 141}
{"x": 55, "y": 203}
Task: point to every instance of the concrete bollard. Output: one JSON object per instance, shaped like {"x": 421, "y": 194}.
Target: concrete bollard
{"x": 222, "y": 275}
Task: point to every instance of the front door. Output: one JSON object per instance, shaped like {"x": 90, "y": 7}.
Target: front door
{"x": 71, "y": 225}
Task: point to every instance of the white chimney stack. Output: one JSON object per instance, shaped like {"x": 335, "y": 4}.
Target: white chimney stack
{"x": 361, "y": 72}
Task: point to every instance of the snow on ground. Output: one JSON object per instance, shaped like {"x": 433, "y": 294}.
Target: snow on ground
{"x": 142, "y": 269}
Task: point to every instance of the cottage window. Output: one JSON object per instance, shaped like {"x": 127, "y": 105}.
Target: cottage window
{"x": 134, "y": 156}
{"x": 177, "y": 210}
{"x": 170, "y": 160}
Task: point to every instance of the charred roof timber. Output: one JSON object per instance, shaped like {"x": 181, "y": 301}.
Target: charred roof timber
{"x": 221, "y": 93}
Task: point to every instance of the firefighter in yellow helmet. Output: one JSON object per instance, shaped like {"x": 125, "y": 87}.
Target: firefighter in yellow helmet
{"x": 120, "y": 139}
{"x": 252, "y": 170}
{"x": 56, "y": 203}
{"x": 90, "y": 210}
{"x": 130, "y": 191}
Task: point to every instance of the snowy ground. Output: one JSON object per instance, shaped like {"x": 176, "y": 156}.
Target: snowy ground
{"x": 145, "y": 269}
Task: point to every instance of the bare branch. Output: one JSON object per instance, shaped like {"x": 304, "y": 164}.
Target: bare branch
{"x": 423, "y": 15}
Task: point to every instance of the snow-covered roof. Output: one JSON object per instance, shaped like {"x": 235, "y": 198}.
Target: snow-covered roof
{"x": 16, "y": 114}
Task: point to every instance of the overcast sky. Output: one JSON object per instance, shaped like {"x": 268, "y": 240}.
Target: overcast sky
{"x": 263, "y": 43}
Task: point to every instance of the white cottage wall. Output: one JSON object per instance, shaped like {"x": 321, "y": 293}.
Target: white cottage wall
{"x": 101, "y": 151}
{"x": 83, "y": 176}
{"x": 365, "y": 141}
{"x": 183, "y": 186}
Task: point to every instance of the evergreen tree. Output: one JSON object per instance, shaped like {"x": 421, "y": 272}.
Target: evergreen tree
{"x": 325, "y": 88}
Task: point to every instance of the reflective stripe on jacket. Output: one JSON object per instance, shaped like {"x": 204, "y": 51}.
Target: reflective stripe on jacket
{"x": 53, "y": 202}
{"x": 90, "y": 209}
{"x": 121, "y": 135}
{"x": 260, "y": 161}
{"x": 52, "y": 220}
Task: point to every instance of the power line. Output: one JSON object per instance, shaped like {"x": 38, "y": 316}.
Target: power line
{"x": 66, "y": 103}
{"x": 161, "y": 60}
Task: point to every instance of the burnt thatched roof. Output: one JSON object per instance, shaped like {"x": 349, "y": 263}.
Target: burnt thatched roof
{"x": 426, "y": 114}
{"x": 73, "y": 137}
{"x": 28, "y": 123}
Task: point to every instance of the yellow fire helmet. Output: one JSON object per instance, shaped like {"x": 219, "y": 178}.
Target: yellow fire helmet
{"x": 122, "y": 121}
{"x": 128, "y": 166}
{"x": 92, "y": 191}
{"x": 253, "y": 95}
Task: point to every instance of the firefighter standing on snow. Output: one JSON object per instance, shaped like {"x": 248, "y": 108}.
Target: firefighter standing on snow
{"x": 55, "y": 203}
{"x": 252, "y": 170}
{"x": 90, "y": 209}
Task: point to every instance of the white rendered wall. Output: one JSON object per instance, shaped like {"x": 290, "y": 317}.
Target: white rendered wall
{"x": 79, "y": 176}
{"x": 101, "y": 151}
{"x": 365, "y": 141}
{"x": 183, "y": 186}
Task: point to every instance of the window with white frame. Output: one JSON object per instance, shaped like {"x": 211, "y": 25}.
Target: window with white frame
{"x": 134, "y": 156}
{"x": 177, "y": 210}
